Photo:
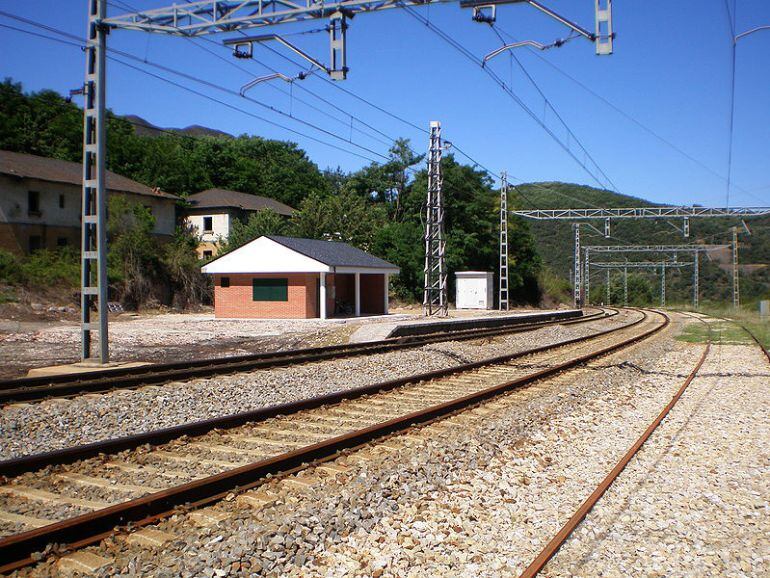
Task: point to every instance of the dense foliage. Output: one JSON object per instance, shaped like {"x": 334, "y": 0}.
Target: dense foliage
{"x": 554, "y": 241}
{"x": 378, "y": 208}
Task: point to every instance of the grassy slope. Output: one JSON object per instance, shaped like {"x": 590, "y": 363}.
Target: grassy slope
{"x": 555, "y": 239}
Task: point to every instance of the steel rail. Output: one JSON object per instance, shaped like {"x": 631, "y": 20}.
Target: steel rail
{"x": 42, "y": 387}
{"x": 566, "y": 531}
{"x": 88, "y": 528}
{"x": 16, "y": 466}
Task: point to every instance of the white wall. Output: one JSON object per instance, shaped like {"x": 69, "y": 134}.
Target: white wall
{"x": 220, "y": 226}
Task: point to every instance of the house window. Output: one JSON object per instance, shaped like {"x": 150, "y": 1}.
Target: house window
{"x": 61, "y": 201}
{"x": 270, "y": 289}
{"x": 62, "y": 242}
{"x": 208, "y": 224}
{"x": 33, "y": 203}
{"x": 35, "y": 243}
{"x": 208, "y": 254}
{"x": 224, "y": 282}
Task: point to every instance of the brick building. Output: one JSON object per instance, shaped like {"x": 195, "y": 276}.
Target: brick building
{"x": 40, "y": 202}
{"x": 212, "y": 212}
{"x": 285, "y": 277}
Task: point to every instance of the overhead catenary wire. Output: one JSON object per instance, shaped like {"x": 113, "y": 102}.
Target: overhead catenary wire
{"x": 214, "y": 86}
{"x": 508, "y": 90}
{"x": 200, "y": 94}
{"x": 631, "y": 118}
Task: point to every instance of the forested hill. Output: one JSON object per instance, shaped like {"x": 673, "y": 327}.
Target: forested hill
{"x": 554, "y": 239}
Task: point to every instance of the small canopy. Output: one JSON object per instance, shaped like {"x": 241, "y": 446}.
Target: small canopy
{"x": 275, "y": 254}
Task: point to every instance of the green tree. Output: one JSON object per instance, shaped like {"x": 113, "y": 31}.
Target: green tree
{"x": 133, "y": 257}
{"x": 345, "y": 217}
{"x": 259, "y": 223}
{"x": 182, "y": 267}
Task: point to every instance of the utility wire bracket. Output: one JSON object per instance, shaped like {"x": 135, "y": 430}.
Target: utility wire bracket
{"x": 244, "y": 48}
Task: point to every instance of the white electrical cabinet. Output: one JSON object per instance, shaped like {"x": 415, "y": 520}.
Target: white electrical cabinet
{"x": 474, "y": 290}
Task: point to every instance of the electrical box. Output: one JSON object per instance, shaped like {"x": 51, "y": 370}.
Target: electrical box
{"x": 475, "y": 290}
{"x": 764, "y": 309}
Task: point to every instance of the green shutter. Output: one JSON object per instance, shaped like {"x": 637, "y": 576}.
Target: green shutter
{"x": 270, "y": 289}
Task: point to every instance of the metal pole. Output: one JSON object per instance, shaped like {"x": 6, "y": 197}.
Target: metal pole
{"x": 93, "y": 286}
{"x": 663, "y": 284}
{"x": 736, "y": 280}
{"x": 503, "y": 291}
{"x": 577, "y": 302}
{"x": 608, "y": 287}
{"x": 625, "y": 286}
{"x": 695, "y": 280}
{"x": 587, "y": 278}
{"x": 435, "y": 290}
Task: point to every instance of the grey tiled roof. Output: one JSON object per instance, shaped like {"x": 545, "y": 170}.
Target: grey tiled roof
{"x": 58, "y": 171}
{"x": 223, "y": 198}
{"x": 333, "y": 253}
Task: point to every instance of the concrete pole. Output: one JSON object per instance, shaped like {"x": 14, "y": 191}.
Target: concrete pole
{"x": 357, "y": 277}
{"x": 93, "y": 253}
{"x": 322, "y": 296}
{"x": 386, "y": 303}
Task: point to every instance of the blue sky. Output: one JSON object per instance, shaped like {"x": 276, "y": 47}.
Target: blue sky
{"x": 670, "y": 72}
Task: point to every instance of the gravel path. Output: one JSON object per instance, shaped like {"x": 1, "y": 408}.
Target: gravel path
{"x": 696, "y": 500}
{"x": 473, "y": 495}
{"x": 53, "y": 424}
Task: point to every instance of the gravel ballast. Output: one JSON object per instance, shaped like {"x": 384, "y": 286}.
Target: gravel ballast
{"x": 477, "y": 494}
{"x": 54, "y": 424}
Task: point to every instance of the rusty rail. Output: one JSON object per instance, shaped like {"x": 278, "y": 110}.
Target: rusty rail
{"x": 562, "y": 535}
{"x": 43, "y": 387}
{"x": 82, "y": 530}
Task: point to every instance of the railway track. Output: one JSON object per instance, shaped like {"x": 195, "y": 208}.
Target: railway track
{"x": 78, "y": 496}
{"x": 561, "y": 537}
{"x": 45, "y": 387}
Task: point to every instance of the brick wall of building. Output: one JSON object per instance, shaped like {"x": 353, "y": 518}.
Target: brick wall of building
{"x": 237, "y": 301}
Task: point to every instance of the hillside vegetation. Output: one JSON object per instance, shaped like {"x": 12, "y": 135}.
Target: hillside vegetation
{"x": 554, "y": 242}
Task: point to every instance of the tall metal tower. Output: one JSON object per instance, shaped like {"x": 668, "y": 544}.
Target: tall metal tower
{"x": 577, "y": 301}
{"x": 587, "y": 278}
{"x": 435, "y": 291}
{"x": 736, "y": 280}
{"x": 663, "y": 284}
{"x": 93, "y": 240}
{"x": 608, "y": 286}
{"x": 625, "y": 286}
{"x": 503, "y": 292}
{"x": 695, "y": 280}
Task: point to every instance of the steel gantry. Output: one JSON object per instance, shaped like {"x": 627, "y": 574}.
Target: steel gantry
{"x": 695, "y": 249}
{"x": 196, "y": 18}
{"x": 607, "y": 214}
{"x": 625, "y": 265}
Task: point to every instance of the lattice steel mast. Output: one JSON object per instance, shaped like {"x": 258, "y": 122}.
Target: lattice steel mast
{"x": 577, "y": 301}
{"x": 625, "y": 286}
{"x": 696, "y": 280}
{"x": 736, "y": 280}
{"x": 503, "y": 287}
{"x": 608, "y": 286}
{"x": 663, "y": 284}
{"x": 587, "y": 279}
{"x": 435, "y": 288}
